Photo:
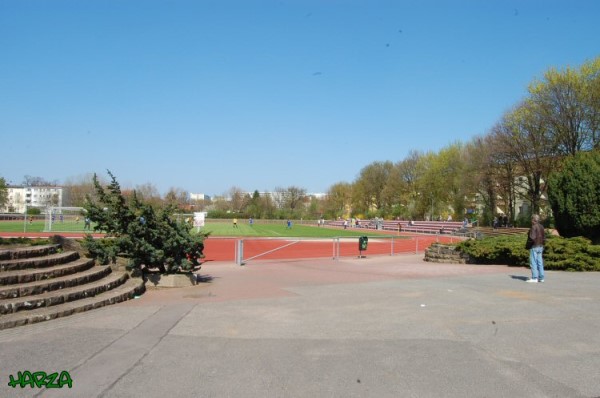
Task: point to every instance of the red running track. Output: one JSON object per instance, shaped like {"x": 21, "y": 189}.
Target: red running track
{"x": 223, "y": 249}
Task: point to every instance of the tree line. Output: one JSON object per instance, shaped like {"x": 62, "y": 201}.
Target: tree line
{"x": 289, "y": 202}
{"x": 511, "y": 163}
{"x": 559, "y": 118}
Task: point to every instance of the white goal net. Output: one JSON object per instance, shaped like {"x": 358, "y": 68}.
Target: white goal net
{"x": 66, "y": 219}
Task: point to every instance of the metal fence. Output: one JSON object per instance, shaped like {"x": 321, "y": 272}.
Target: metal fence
{"x": 246, "y": 250}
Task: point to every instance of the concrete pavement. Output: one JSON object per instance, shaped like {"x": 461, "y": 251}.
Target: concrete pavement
{"x": 374, "y": 327}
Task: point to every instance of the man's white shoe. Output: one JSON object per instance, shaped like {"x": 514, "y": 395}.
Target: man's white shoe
{"x": 531, "y": 281}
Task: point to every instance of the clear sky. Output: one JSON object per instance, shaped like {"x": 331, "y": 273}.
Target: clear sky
{"x": 206, "y": 95}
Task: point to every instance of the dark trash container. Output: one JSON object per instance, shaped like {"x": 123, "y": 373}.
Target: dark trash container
{"x": 362, "y": 243}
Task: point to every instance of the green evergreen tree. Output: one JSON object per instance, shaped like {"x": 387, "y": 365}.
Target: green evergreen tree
{"x": 3, "y": 192}
{"x": 574, "y": 194}
{"x": 149, "y": 237}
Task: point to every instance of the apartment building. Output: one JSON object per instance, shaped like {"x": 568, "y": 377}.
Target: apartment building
{"x": 20, "y": 197}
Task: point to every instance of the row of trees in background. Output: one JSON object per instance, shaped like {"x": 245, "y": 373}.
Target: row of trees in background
{"x": 512, "y": 163}
{"x": 290, "y": 202}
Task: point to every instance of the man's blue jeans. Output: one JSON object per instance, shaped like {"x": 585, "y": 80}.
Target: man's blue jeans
{"x": 536, "y": 262}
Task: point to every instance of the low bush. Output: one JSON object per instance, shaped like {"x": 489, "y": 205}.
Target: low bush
{"x": 509, "y": 250}
{"x": 562, "y": 254}
{"x": 23, "y": 241}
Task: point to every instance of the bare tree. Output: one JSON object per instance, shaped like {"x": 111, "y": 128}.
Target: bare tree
{"x": 236, "y": 198}
{"x": 488, "y": 166}
{"x": 75, "y": 189}
{"x": 177, "y": 197}
{"x": 279, "y": 197}
{"x": 31, "y": 181}
{"x": 149, "y": 194}
{"x": 295, "y": 197}
{"x": 522, "y": 137}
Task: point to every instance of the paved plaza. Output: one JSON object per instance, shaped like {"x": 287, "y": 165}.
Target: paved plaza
{"x": 374, "y": 327}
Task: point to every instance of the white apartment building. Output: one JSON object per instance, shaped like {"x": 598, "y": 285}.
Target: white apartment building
{"x": 21, "y": 197}
{"x": 199, "y": 196}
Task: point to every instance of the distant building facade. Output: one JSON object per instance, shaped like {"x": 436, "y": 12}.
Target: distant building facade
{"x": 19, "y": 198}
{"x": 199, "y": 196}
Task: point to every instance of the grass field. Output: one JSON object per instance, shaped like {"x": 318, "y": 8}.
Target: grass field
{"x": 216, "y": 229}
{"x": 38, "y": 226}
{"x": 20, "y": 226}
{"x": 279, "y": 231}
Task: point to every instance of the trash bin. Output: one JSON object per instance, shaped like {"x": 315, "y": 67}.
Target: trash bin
{"x": 362, "y": 243}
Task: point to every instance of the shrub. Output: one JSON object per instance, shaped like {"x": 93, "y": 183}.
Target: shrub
{"x": 563, "y": 254}
{"x": 573, "y": 194}
{"x": 509, "y": 250}
{"x": 147, "y": 237}
{"x": 23, "y": 241}
{"x": 572, "y": 254}
{"x": 105, "y": 251}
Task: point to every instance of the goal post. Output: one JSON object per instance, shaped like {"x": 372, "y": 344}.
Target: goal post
{"x": 65, "y": 219}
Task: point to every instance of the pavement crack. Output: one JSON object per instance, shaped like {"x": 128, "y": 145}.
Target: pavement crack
{"x": 147, "y": 352}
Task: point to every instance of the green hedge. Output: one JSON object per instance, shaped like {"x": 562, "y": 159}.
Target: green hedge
{"x": 562, "y": 254}
{"x": 23, "y": 241}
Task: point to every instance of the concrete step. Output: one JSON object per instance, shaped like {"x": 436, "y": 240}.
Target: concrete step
{"x": 32, "y": 275}
{"x": 131, "y": 288}
{"x": 38, "y": 262}
{"x": 61, "y": 296}
{"x": 27, "y": 252}
{"x": 48, "y": 285}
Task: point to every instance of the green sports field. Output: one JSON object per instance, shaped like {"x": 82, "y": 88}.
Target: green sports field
{"x": 270, "y": 230}
{"x": 279, "y": 230}
{"x": 38, "y": 226}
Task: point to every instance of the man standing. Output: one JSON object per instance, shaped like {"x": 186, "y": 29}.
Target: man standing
{"x": 535, "y": 240}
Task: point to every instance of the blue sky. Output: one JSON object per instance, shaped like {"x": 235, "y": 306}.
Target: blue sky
{"x": 206, "y": 95}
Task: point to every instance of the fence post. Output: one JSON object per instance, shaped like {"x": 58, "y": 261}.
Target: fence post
{"x": 336, "y": 248}
{"x": 392, "y": 247}
{"x": 236, "y": 251}
{"x": 239, "y": 252}
{"x": 417, "y": 245}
